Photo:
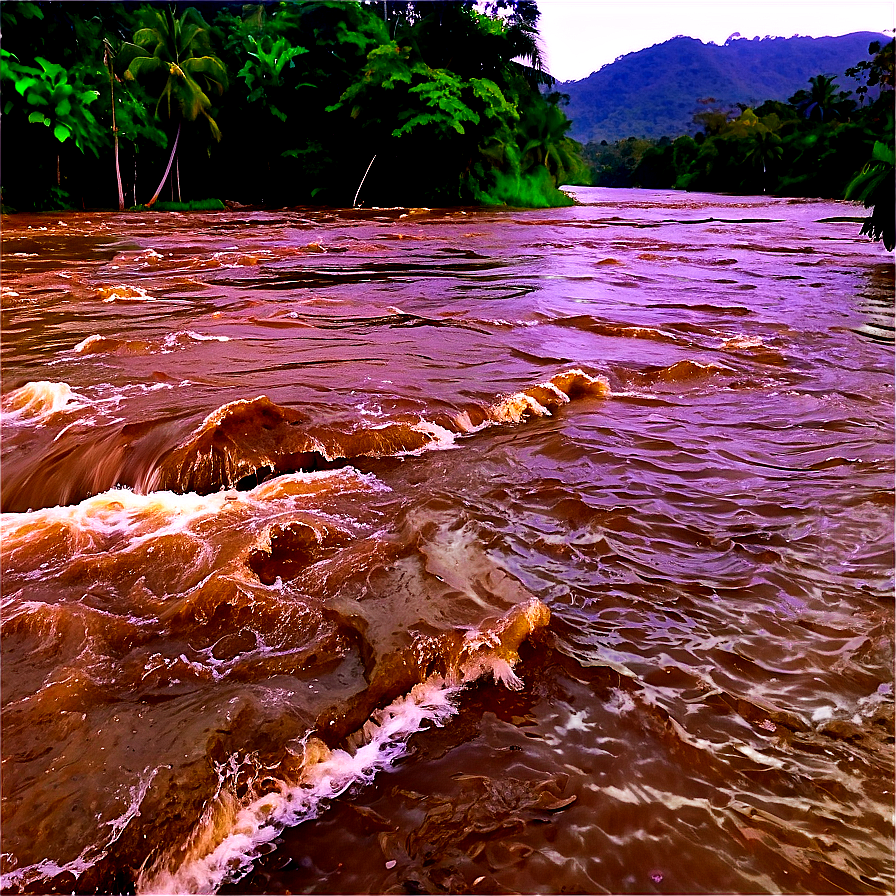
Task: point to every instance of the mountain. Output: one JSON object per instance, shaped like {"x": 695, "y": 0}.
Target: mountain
{"x": 654, "y": 92}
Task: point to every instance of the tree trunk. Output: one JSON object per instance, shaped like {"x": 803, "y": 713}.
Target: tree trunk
{"x": 118, "y": 171}
{"x": 115, "y": 136}
{"x": 177, "y": 177}
{"x": 167, "y": 170}
{"x": 358, "y": 192}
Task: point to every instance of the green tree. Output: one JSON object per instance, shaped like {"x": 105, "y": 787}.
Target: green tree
{"x": 764, "y": 151}
{"x": 543, "y": 127}
{"x": 452, "y": 108}
{"x": 875, "y": 186}
{"x": 54, "y": 99}
{"x": 175, "y": 54}
{"x": 823, "y": 100}
{"x": 877, "y": 71}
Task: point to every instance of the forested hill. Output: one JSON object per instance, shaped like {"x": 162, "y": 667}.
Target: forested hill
{"x": 654, "y": 92}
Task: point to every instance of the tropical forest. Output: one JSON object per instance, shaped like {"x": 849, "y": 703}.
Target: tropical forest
{"x": 279, "y": 104}
{"x": 389, "y": 103}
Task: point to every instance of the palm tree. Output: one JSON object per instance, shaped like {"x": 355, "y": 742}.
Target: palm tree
{"x": 764, "y": 150}
{"x": 822, "y": 99}
{"x": 543, "y": 140}
{"x": 177, "y": 50}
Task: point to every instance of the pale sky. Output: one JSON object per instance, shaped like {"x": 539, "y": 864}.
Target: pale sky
{"x": 580, "y": 36}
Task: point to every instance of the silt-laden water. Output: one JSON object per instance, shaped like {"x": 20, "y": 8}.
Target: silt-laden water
{"x": 465, "y": 550}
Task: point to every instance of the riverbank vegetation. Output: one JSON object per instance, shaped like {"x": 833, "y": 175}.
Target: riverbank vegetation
{"x": 824, "y": 142}
{"x": 279, "y": 104}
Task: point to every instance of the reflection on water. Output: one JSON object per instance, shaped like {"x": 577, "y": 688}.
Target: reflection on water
{"x": 461, "y": 551}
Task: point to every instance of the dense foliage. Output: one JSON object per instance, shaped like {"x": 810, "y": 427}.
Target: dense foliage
{"x": 280, "y": 103}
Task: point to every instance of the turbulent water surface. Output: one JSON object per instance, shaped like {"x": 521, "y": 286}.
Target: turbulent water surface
{"x": 416, "y": 550}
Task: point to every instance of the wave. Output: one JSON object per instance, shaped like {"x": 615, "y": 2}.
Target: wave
{"x": 120, "y": 292}
{"x": 100, "y": 345}
{"x": 541, "y": 400}
{"x": 681, "y": 372}
{"x": 244, "y": 442}
{"x": 229, "y": 257}
{"x": 234, "y": 832}
{"x": 37, "y": 401}
{"x": 247, "y": 441}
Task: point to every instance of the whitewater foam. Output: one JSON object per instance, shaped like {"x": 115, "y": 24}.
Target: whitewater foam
{"x": 325, "y": 775}
{"x": 39, "y": 400}
{"x": 230, "y": 837}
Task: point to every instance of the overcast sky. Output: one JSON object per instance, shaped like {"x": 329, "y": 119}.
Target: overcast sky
{"x": 580, "y": 36}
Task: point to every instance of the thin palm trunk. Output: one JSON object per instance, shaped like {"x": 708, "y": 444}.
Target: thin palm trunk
{"x": 167, "y": 169}
{"x": 177, "y": 177}
{"x": 118, "y": 171}
{"x": 358, "y": 192}
{"x": 115, "y": 135}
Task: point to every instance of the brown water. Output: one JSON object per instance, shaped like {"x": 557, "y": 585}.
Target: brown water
{"x": 429, "y": 551}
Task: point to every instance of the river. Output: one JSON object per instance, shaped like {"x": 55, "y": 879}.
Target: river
{"x": 468, "y": 550}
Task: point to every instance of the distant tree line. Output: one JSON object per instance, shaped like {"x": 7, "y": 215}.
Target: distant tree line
{"x": 823, "y": 142}
{"x": 279, "y": 103}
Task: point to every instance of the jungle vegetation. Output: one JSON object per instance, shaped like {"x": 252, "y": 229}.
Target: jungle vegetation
{"x": 280, "y": 103}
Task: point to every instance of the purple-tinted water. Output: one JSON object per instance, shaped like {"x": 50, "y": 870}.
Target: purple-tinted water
{"x": 416, "y": 550}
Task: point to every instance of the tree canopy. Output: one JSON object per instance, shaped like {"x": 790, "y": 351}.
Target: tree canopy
{"x": 296, "y": 98}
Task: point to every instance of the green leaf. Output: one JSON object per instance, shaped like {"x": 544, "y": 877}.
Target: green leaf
{"x": 62, "y": 132}
{"x": 63, "y": 107}
{"x": 37, "y": 118}
{"x": 51, "y": 68}
{"x": 23, "y": 84}
{"x": 883, "y": 153}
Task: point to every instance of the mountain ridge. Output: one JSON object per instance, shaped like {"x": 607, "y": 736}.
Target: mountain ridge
{"x": 654, "y": 92}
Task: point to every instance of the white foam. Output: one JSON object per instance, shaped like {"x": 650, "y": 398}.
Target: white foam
{"x": 123, "y": 511}
{"x": 40, "y": 400}
{"x": 326, "y": 774}
{"x": 88, "y": 342}
{"x": 442, "y": 438}
{"x": 230, "y": 837}
{"x": 176, "y": 340}
{"x": 121, "y": 292}
{"x": 741, "y": 342}
{"x": 515, "y": 408}
{"x": 199, "y": 337}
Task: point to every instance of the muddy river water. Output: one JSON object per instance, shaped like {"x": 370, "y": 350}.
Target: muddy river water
{"x": 423, "y": 551}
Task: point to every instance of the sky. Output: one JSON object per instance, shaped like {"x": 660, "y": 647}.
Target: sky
{"x": 580, "y": 36}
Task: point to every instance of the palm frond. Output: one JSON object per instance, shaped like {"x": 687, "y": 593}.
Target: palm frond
{"x": 140, "y": 66}
{"x": 209, "y": 66}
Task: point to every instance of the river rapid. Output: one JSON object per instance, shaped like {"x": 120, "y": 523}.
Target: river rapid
{"x": 410, "y": 550}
